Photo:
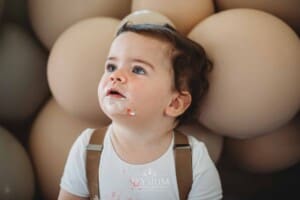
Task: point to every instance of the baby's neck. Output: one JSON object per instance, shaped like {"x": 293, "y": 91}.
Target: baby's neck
{"x": 138, "y": 146}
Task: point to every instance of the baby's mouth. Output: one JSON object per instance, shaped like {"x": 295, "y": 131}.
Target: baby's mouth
{"x": 116, "y": 102}
{"x": 115, "y": 93}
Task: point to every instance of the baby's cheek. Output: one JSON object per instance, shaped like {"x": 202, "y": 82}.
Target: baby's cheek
{"x": 100, "y": 92}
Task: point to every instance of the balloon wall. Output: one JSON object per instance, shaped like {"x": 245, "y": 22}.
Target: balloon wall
{"x": 52, "y": 55}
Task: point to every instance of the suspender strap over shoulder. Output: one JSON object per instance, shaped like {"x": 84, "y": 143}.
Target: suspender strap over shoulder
{"x": 183, "y": 164}
{"x": 94, "y": 150}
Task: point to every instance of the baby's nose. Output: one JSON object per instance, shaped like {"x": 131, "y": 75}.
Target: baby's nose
{"x": 118, "y": 76}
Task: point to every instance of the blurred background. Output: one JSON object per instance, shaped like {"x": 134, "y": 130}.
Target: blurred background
{"x": 52, "y": 55}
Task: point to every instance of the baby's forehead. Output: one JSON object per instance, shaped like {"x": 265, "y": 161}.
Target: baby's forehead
{"x": 164, "y": 45}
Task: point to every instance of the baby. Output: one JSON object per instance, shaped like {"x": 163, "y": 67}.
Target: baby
{"x": 154, "y": 80}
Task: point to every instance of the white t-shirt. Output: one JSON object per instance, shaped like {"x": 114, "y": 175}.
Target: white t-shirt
{"x": 155, "y": 180}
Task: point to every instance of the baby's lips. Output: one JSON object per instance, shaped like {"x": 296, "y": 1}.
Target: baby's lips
{"x": 114, "y": 92}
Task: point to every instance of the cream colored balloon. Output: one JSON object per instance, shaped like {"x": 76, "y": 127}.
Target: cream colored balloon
{"x": 50, "y": 18}
{"x": 146, "y": 16}
{"x": 213, "y": 142}
{"x": 185, "y": 15}
{"x": 275, "y": 151}
{"x": 287, "y": 10}
{"x": 52, "y": 135}
{"x": 76, "y": 64}
{"x": 16, "y": 172}
{"x": 255, "y": 81}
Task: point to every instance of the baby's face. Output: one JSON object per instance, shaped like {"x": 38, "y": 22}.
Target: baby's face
{"x": 138, "y": 78}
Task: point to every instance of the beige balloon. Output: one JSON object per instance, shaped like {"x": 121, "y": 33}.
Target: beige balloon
{"x": 184, "y": 15}
{"x": 213, "y": 142}
{"x": 287, "y": 10}
{"x": 52, "y": 135}
{"x": 50, "y": 18}
{"x": 146, "y": 16}
{"x": 269, "y": 153}
{"x": 254, "y": 86}
{"x": 16, "y": 172}
{"x": 76, "y": 64}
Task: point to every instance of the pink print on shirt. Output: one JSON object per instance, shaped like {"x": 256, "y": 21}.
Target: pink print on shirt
{"x": 135, "y": 183}
{"x": 149, "y": 180}
{"x": 113, "y": 196}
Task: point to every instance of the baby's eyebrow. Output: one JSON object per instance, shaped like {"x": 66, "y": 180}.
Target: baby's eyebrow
{"x": 143, "y": 61}
{"x": 111, "y": 58}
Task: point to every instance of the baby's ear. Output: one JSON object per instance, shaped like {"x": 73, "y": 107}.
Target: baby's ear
{"x": 179, "y": 103}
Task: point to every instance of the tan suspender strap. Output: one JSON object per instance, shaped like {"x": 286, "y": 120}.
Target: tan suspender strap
{"x": 183, "y": 164}
{"x": 93, "y": 155}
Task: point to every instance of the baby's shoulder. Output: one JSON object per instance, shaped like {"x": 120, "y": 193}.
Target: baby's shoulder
{"x": 195, "y": 143}
{"x": 198, "y": 147}
{"x": 84, "y": 137}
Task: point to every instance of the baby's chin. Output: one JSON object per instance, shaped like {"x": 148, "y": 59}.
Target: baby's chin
{"x": 113, "y": 111}
{"x": 115, "y": 106}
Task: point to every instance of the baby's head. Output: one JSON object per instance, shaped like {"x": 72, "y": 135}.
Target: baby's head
{"x": 189, "y": 61}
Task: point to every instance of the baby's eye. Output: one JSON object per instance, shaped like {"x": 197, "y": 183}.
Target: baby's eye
{"x": 111, "y": 67}
{"x": 139, "y": 70}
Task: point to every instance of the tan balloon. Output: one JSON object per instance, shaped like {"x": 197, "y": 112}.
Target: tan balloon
{"x": 268, "y": 153}
{"x": 76, "y": 64}
{"x": 52, "y": 135}
{"x": 184, "y": 14}
{"x": 1, "y": 9}
{"x": 50, "y": 18}
{"x": 146, "y": 16}
{"x": 242, "y": 184}
{"x": 16, "y": 172}
{"x": 213, "y": 142}
{"x": 255, "y": 81}
{"x": 288, "y": 10}
{"x": 16, "y": 11}
{"x": 23, "y": 81}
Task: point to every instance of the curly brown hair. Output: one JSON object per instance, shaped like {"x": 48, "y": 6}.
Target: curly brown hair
{"x": 190, "y": 62}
